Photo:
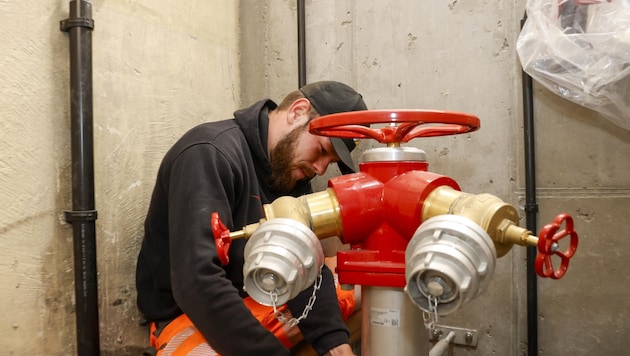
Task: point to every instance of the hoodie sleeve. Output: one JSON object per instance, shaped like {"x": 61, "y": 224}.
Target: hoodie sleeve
{"x": 203, "y": 181}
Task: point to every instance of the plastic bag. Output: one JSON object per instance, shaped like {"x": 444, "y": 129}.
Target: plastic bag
{"x": 580, "y": 50}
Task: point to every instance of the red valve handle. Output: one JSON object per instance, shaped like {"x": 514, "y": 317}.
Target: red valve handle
{"x": 353, "y": 124}
{"x": 222, "y": 238}
{"x": 548, "y": 246}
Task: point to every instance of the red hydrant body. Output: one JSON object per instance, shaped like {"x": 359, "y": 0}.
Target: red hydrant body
{"x": 381, "y": 208}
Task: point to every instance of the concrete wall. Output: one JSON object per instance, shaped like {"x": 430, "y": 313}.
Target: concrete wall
{"x": 161, "y": 66}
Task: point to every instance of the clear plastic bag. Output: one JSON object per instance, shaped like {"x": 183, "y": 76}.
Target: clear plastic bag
{"x": 580, "y": 50}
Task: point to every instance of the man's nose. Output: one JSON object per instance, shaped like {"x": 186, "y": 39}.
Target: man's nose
{"x": 321, "y": 165}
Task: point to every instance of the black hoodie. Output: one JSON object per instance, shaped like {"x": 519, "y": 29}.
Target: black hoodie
{"x": 220, "y": 167}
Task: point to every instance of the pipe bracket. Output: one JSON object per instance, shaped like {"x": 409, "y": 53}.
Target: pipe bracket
{"x": 85, "y": 215}
{"x": 67, "y": 24}
{"x": 531, "y": 208}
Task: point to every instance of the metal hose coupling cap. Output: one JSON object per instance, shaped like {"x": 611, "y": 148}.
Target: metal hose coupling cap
{"x": 449, "y": 261}
{"x": 282, "y": 258}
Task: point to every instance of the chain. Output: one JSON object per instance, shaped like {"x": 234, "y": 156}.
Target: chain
{"x": 309, "y": 306}
{"x": 431, "y": 317}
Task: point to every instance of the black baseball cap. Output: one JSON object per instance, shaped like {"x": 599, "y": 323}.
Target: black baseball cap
{"x": 331, "y": 97}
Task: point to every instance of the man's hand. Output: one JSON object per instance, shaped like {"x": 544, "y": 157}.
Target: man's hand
{"x": 341, "y": 350}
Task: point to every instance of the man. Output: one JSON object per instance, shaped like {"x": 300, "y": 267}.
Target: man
{"x": 233, "y": 167}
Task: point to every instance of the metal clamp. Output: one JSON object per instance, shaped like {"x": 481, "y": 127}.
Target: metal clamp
{"x": 85, "y": 215}
{"x": 66, "y": 25}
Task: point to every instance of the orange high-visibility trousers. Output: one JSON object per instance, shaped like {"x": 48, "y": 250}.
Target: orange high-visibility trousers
{"x": 181, "y": 338}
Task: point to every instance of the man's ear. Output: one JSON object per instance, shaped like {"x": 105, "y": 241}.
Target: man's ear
{"x": 298, "y": 110}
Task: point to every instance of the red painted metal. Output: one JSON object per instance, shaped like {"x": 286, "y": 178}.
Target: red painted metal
{"x": 548, "y": 246}
{"x": 405, "y": 196}
{"x": 222, "y": 238}
{"x": 411, "y": 124}
{"x": 381, "y": 206}
{"x": 379, "y": 219}
{"x": 362, "y": 208}
{"x": 384, "y": 171}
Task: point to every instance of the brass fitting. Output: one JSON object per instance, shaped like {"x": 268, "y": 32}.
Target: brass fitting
{"x": 319, "y": 211}
{"x": 499, "y": 219}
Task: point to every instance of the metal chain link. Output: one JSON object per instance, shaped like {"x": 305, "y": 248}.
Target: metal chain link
{"x": 431, "y": 317}
{"x": 309, "y": 306}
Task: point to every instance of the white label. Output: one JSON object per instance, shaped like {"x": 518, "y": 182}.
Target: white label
{"x": 385, "y": 317}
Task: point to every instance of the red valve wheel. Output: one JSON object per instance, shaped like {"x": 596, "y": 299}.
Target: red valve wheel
{"x": 413, "y": 123}
{"x": 548, "y": 246}
{"x": 222, "y": 238}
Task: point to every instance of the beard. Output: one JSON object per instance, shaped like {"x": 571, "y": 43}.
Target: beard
{"x": 281, "y": 160}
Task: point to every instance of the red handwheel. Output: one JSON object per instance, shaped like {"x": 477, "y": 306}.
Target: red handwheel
{"x": 410, "y": 124}
{"x": 548, "y": 246}
{"x": 222, "y": 238}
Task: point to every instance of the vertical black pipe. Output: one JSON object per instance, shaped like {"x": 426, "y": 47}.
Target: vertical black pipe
{"x": 301, "y": 27}
{"x": 531, "y": 210}
{"x": 83, "y": 214}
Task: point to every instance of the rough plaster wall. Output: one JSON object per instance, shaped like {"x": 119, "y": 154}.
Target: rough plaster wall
{"x": 460, "y": 55}
{"x": 268, "y": 45}
{"x": 35, "y": 262}
{"x": 160, "y": 67}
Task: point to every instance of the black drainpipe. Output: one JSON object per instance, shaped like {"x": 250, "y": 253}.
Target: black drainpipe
{"x": 301, "y": 30}
{"x": 83, "y": 214}
{"x": 531, "y": 210}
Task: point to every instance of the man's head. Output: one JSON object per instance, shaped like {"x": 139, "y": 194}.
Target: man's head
{"x": 329, "y": 97}
{"x": 299, "y": 155}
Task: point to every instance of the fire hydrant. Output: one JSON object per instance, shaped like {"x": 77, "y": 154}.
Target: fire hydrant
{"x": 416, "y": 240}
